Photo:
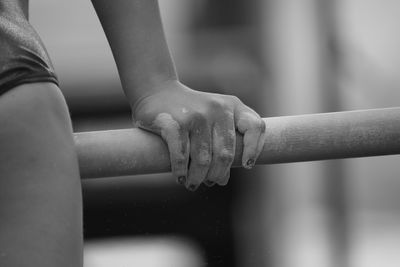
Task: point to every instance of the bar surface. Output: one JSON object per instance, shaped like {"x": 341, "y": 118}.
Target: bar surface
{"x": 361, "y": 133}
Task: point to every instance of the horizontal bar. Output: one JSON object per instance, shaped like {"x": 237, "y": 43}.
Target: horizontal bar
{"x": 310, "y": 137}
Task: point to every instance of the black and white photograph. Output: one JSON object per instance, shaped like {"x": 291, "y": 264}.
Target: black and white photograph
{"x": 199, "y": 133}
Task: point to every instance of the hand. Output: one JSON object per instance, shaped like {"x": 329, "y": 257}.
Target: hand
{"x": 199, "y": 129}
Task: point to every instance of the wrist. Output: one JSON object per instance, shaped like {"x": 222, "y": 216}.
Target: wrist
{"x": 140, "y": 81}
{"x": 137, "y": 92}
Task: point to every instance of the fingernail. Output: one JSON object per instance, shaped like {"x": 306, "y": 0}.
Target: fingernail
{"x": 181, "y": 180}
{"x": 249, "y": 164}
{"x": 209, "y": 183}
{"x": 192, "y": 187}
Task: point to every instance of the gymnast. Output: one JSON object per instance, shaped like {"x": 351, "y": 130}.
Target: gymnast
{"x": 40, "y": 187}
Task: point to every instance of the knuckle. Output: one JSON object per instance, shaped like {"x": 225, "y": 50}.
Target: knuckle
{"x": 217, "y": 104}
{"x": 196, "y": 118}
{"x": 184, "y": 124}
{"x": 196, "y": 115}
{"x": 235, "y": 99}
{"x": 259, "y": 125}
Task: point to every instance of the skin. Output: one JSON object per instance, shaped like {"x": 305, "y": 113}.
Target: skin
{"x": 201, "y": 140}
{"x": 40, "y": 189}
{"x": 198, "y": 127}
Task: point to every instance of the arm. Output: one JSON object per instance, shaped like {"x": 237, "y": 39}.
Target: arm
{"x": 199, "y": 128}
{"x": 137, "y": 40}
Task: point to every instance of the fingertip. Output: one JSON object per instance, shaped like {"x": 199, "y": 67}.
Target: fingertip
{"x": 224, "y": 180}
{"x": 248, "y": 163}
{"x": 181, "y": 180}
{"x": 249, "y": 155}
{"x": 209, "y": 183}
{"x": 253, "y": 143}
{"x": 180, "y": 172}
{"x": 192, "y": 187}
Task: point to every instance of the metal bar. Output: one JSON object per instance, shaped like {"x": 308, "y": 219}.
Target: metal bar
{"x": 311, "y": 137}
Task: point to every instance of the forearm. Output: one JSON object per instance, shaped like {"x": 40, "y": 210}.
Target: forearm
{"x": 135, "y": 33}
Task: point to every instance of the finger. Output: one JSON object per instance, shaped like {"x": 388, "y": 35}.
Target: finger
{"x": 178, "y": 145}
{"x": 253, "y": 129}
{"x": 224, "y": 179}
{"x": 209, "y": 183}
{"x": 261, "y": 140}
{"x": 223, "y": 149}
{"x": 200, "y": 154}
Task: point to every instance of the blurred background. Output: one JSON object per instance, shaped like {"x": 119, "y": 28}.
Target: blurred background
{"x": 281, "y": 57}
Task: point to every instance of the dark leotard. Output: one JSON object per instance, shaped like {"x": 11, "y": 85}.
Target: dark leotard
{"x": 23, "y": 57}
